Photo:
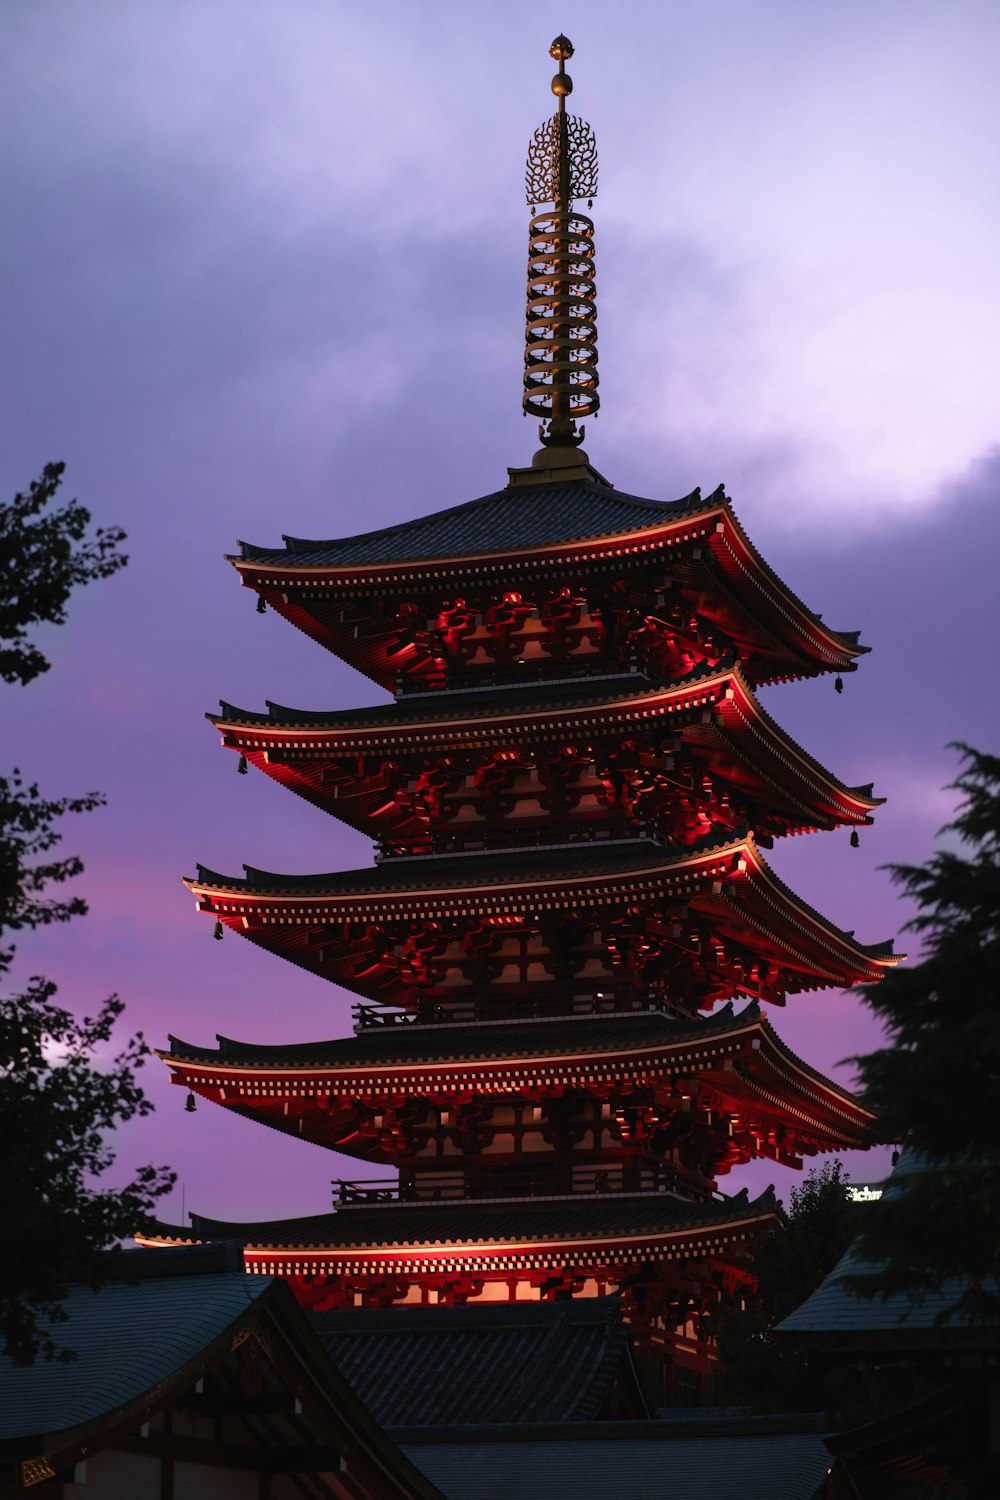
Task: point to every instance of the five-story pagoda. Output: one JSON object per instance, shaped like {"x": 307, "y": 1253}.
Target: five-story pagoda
{"x": 570, "y": 793}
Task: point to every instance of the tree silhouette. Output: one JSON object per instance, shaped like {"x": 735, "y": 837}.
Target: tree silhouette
{"x": 57, "y": 1105}
{"x": 936, "y": 1086}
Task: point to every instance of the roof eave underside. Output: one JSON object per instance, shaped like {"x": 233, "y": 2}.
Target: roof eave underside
{"x": 260, "y": 561}
{"x": 258, "y": 1061}
{"x": 403, "y": 718}
{"x": 773, "y": 891}
{"x": 318, "y": 1235}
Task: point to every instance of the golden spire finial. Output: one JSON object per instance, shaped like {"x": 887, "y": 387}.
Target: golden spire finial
{"x": 560, "y": 375}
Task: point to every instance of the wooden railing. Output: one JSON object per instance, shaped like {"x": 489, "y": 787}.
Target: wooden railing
{"x": 513, "y": 1008}
{"x": 522, "y": 1183}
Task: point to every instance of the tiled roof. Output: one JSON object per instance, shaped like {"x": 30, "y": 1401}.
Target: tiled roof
{"x": 509, "y": 703}
{"x": 493, "y": 1223}
{"x": 500, "y": 1362}
{"x": 127, "y": 1338}
{"x": 427, "y": 872}
{"x": 752, "y": 1459}
{"x": 833, "y": 1310}
{"x": 506, "y": 702}
{"x": 392, "y": 1044}
{"x": 524, "y": 870}
{"x": 434, "y": 1045}
{"x": 508, "y": 519}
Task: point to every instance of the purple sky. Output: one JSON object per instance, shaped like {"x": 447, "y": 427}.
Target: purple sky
{"x": 263, "y": 271}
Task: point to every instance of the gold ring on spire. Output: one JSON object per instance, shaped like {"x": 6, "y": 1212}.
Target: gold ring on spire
{"x": 560, "y": 374}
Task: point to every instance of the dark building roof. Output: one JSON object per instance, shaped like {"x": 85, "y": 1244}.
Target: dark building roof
{"x": 524, "y": 872}
{"x": 498, "y": 1040}
{"x": 614, "y": 1216}
{"x": 430, "y": 872}
{"x": 492, "y": 702}
{"x": 762, "y": 1458}
{"x": 507, "y": 520}
{"x": 833, "y": 1310}
{"x": 145, "y": 1344}
{"x": 833, "y": 1313}
{"x": 498, "y": 1362}
{"x": 127, "y": 1339}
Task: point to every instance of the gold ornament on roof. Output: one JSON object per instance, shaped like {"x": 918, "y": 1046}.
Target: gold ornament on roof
{"x": 545, "y": 161}
{"x": 560, "y": 361}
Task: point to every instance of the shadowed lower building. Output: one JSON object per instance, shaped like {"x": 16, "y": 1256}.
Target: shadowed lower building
{"x": 192, "y": 1379}
{"x": 488, "y": 1365}
{"x": 564, "y": 949}
{"x": 923, "y": 1373}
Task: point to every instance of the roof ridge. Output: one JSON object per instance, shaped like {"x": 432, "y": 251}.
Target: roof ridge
{"x": 532, "y": 694}
{"x": 719, "y": 837}
{"x": 518, "y": 495}
{"x": 694, "y": 1026}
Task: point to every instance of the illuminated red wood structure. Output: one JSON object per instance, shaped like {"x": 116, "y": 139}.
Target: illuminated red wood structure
{"x": 570, "y": 795}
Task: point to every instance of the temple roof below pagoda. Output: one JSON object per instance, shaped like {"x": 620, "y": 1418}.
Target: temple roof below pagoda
{"x": 493, "y": 1362}
{"x": 509, "y": 519}
{"x": 526, "y": 1221}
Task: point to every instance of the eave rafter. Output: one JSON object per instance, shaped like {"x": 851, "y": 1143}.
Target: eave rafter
{"x": 402, "y": 776}
{"x": 389, "y": 933}
{"x": 704, "y": 550}
{"x": 733, "y": 1069}
{"x": 385, "y": 1244}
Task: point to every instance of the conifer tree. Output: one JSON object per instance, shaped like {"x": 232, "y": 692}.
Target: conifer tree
{"x": 936, "y": 1085}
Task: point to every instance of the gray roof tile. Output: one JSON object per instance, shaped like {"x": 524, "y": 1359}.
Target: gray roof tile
{"x": 491, "y": 1223}
{"x": 502, "y": 701}
{"x": 428, "y": 872}
{"x": 835, "y": 1311}
{"x": 392, "y": 1044}
{"x": 127, "y": 1338}
{"x": 525, "y": 516}
{"x": 636, "y": 1462}
{"x": 543, "y": 1362}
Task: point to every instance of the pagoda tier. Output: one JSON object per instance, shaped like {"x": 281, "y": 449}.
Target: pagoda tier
{"x": 673, "y": 1263}
{"x": 548, "y": 580}
{"x": 549, "y": 931}
{"x": 518, "y": 765}
{"x": 644, "y": 1101}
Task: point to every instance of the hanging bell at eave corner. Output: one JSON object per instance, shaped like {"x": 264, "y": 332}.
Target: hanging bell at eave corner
{"x": 261, "y": 605}
{"x": 217, "y": 931}
{"x": 838, "y": 685}
{"x": 855, "y": 841}
{"x": 241, "y": 769}
{"x": 189, "y": 1104}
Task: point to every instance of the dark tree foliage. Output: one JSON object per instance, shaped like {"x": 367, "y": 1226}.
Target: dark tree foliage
{"x": 44, "y": 556}
{"x": 57, "y": 1104}
{"x": 26, "y": 833}
{"x": 762, "y": 1370}
{"x": 936, "y": 1085}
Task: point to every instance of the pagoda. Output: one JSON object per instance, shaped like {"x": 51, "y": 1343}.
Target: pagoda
{"x": 564, "y": 950}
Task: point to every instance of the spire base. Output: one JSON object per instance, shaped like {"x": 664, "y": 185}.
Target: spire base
{"x": 557, "y": 466}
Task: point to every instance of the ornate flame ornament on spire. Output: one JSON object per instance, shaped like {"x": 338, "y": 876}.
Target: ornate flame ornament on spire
{"x": 560, "y": 361}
